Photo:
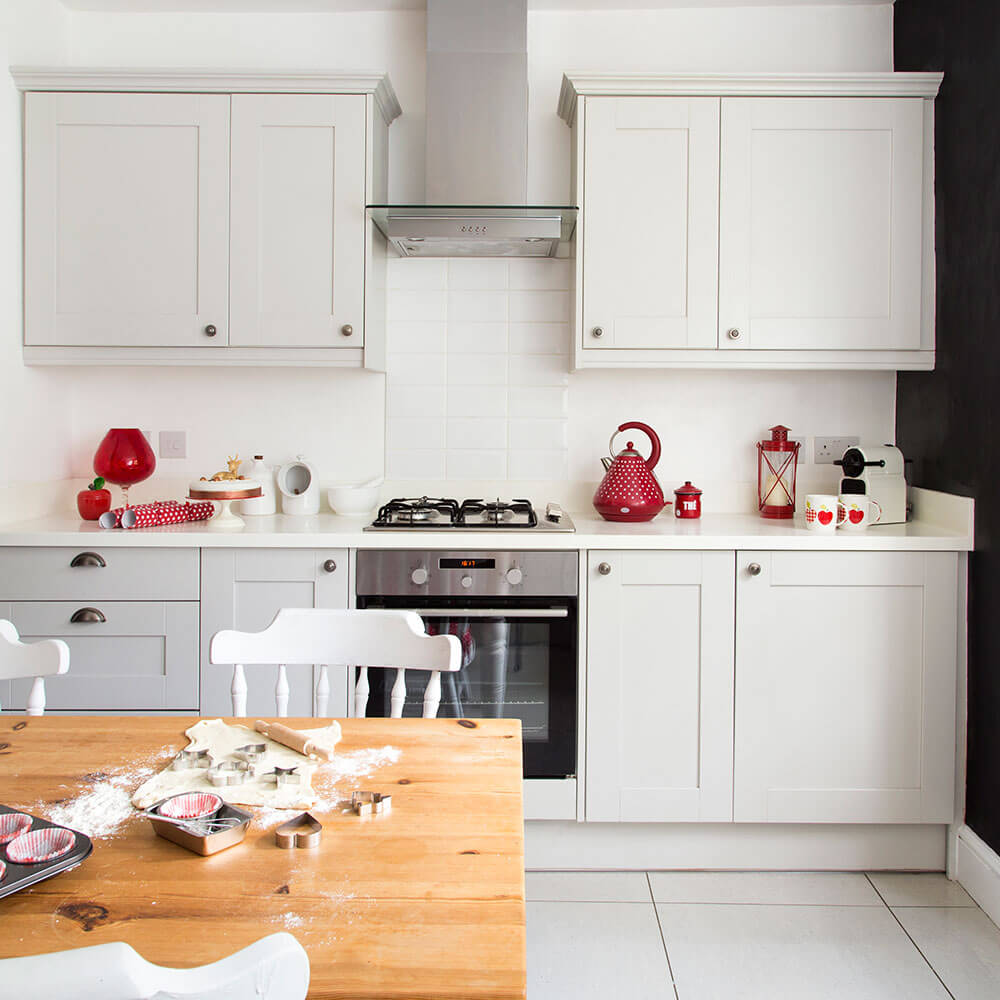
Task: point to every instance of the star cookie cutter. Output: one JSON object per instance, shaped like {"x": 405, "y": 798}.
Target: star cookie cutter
{"x": 302, "y": 831}
{"x": 188, "y": 759}
{"x": 284, "y": 776}
{"x": 370, "y": 803}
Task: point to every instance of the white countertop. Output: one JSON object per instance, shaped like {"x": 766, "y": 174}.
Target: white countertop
{"x": 712, "y": 531}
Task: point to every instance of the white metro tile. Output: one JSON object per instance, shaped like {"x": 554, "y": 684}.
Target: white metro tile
{"x": 477, "y": 432}
{"x": 538, "y": 401}
{"x": 820, "y": 952}
{"x": 476, "y": 274}
{"x": 539, "y": 338}
{"x": 468, "y": 464}
{"x": 407, "y": 338}
{"x": 792, "y": 888}
{"x": 416, "y": 432}
{"x": 477, "y": 401}
{"x": 595, "y": 951}
{"x": 539, "y": 307}
{"x": 477, "y": 369}
{"x": 408, "y": 305}
{"x": 538, "y": 369}
{"x": 417, "y": 369}
{"x": 587, "y": 887}
{"x": 415, "y": 463}
{"x": 479, "y": 307}
{"x": 405, "y": 272}
{"x": 535, "y": 435}
{"x": 417, "y": 401}
{"x": 538, "y": 465}
{"x": 465, "y": 337}
{"x": 537, "y": 274}
{"x": 919, "y": 889}
{"x": 962, "y": 945}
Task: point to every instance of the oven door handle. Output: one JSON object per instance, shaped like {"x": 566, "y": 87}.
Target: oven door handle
{"x": 488, "y": 612}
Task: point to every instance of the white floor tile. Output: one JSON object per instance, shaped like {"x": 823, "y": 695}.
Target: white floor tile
{"x": 792, "y": 888}
{"x": 596, "y": 951}
{"x": 814, "y": 952}
{"x": 587, "y": 887}
{"x": 962, "y": 944}
{"x": 913, "y": 889}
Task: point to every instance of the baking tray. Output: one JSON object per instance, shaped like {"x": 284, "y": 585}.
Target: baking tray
{"x": 204, "y": 844}
{"x": 18, "y": 877}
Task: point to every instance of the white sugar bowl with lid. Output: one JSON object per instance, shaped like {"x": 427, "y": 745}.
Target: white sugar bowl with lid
{"x": 298, "y": 487}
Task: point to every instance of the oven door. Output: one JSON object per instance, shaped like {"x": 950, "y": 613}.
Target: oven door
{"x": 519, "y": 660}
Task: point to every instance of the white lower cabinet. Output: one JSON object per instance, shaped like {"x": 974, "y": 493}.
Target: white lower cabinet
{"x": 659, "y": 686}
{"x": 845, "y": 687}
{"x": 244, "y": 589}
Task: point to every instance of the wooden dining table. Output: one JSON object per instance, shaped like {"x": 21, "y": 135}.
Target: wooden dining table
{"x": 426, "y": 901}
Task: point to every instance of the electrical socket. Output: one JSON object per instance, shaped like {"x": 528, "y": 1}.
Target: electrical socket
{"x": 173, "y": 444}
{"x": 827, "y": 450}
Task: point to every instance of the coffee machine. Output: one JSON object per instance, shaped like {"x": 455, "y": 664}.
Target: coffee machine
{"x": 876, "y": 471}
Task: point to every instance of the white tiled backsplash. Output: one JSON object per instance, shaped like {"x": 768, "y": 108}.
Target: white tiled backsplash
{"x": 478, "y": 369}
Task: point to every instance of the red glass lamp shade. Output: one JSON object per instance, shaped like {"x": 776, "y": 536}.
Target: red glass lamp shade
{"x": 124, "y": 457}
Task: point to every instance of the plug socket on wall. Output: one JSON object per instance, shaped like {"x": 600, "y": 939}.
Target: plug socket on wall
{"x": 173, "y": 444}
{"x": 827, "y": 450}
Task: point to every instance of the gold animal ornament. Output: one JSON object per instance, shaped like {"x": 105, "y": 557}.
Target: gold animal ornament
{"x": 233, "y": 461}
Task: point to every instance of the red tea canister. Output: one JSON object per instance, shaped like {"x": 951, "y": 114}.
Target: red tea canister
{"x": 687, "y": 501}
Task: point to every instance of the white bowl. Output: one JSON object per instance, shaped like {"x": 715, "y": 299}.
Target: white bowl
{"x": 353, "y": 499}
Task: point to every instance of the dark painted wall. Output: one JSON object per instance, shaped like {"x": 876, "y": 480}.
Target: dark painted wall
{"x": 948, "y": 420}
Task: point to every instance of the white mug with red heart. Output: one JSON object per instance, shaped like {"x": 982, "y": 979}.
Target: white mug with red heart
{"x": 856, "y": 512}
{"x": 821, "y": 512}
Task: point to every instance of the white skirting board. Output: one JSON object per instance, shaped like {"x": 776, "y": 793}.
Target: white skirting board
{"x": 979, "y": 872}
{"x": 735, "y": 846}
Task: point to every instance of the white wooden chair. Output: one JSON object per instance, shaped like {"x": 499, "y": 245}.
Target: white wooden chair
{"x": 274, "y": 968}
{"x": 366, "y": 638}
{"x": 36, "y": 659}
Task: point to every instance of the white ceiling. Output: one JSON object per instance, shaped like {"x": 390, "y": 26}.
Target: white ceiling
{"x": 314, "y": 6}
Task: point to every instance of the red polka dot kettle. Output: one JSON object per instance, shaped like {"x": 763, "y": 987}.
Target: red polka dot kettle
{"x": 629, "y": 490}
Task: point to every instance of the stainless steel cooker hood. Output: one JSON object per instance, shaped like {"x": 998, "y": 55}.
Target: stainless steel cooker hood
{"x": 477, "y": 143}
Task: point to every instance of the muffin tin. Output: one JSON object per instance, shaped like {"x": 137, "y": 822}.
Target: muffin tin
{"x": 14, "y": 877}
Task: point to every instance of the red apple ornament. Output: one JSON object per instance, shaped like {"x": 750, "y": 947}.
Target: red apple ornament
{"x": 94, "y": 500}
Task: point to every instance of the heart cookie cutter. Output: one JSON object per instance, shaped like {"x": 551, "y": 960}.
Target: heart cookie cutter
{"x": 187, "y": 759}
{"x": 284, "y": 776}
{"x": 302, "y": 831}
{"x": 230, "y": 772}
{"x": 369, "y": 803}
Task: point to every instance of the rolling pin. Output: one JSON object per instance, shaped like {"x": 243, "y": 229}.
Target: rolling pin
{"x": 292, "y": 739}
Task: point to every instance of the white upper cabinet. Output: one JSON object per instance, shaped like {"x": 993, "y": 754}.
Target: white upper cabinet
{"x": 766, "y": 222}
{"x": 298, "y": 220}
{"x": 650, "y": 253}
{"x": 127, "y": 220}
{"x": 820, "y": 224}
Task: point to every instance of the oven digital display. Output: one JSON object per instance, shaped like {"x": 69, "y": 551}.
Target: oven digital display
{"x": 467, "y": 563}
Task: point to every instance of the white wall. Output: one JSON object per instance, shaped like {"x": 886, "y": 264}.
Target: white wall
{"x": 708, "y": 420}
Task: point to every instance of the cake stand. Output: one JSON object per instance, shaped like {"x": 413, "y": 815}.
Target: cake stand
{"x": 224, "y": 493}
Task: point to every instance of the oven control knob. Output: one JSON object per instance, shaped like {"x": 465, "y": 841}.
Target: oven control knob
{"x": 514, "y": 576}
{"x": 419, "y": 576}
{"x": 466, "y": 582}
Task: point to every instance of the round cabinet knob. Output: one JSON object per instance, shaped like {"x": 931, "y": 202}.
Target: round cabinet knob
{"x": 514, "y": 576}
{"x": 604, "y": 568}
{"x": 733, "y": 333}
{"x": 347, "y": 330}
{"x": 466, "y": 582}
{"x": 419, "y": 576}
{"x": 330, "y": 566}
{"x": 210, "y": 331}
{"x": 754, "y": 569}
{"x": 598, "y": 331}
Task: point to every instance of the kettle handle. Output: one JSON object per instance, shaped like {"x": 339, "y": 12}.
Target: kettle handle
{"x": 654, "y": 455}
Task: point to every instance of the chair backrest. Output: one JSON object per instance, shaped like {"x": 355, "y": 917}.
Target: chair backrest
{"x": 35, "y": 659}
{"x": 274, "y": 968}
{"x": 363, "y": 638}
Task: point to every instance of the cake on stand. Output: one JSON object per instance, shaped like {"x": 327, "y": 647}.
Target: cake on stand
{"x": 222, "y": 489}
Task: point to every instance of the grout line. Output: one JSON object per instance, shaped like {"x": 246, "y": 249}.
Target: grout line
{"x": 663, "y": 940}
{"x": 944, "y": 985}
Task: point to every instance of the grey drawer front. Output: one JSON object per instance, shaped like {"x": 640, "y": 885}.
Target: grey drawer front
{"x": 29, "y": 573}
{"x": 143, "y": 657}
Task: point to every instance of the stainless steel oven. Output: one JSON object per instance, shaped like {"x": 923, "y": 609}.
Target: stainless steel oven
{"x": 515, "y": 614}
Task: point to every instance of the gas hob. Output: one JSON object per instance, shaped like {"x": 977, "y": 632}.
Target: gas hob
{"x": 445, "y": 514}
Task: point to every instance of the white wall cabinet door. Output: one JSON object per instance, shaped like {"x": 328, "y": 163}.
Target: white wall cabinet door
{"x": 845, "y": 687}
{"x": 659, "y": 686}
{"x": 298, "y": 220}
{"x": 245, "y": 589}
{"x": 127, "y": 219}
{"x": 820, "y": 231}
{"x": 650, "y": 226}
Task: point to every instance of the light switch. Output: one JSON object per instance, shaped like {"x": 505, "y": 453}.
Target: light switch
{"x": 173, "y": 444}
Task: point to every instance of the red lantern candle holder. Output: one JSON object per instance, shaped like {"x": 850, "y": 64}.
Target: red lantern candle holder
{"x": 777, "y": 458}
{"x": 124, "y": 458}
